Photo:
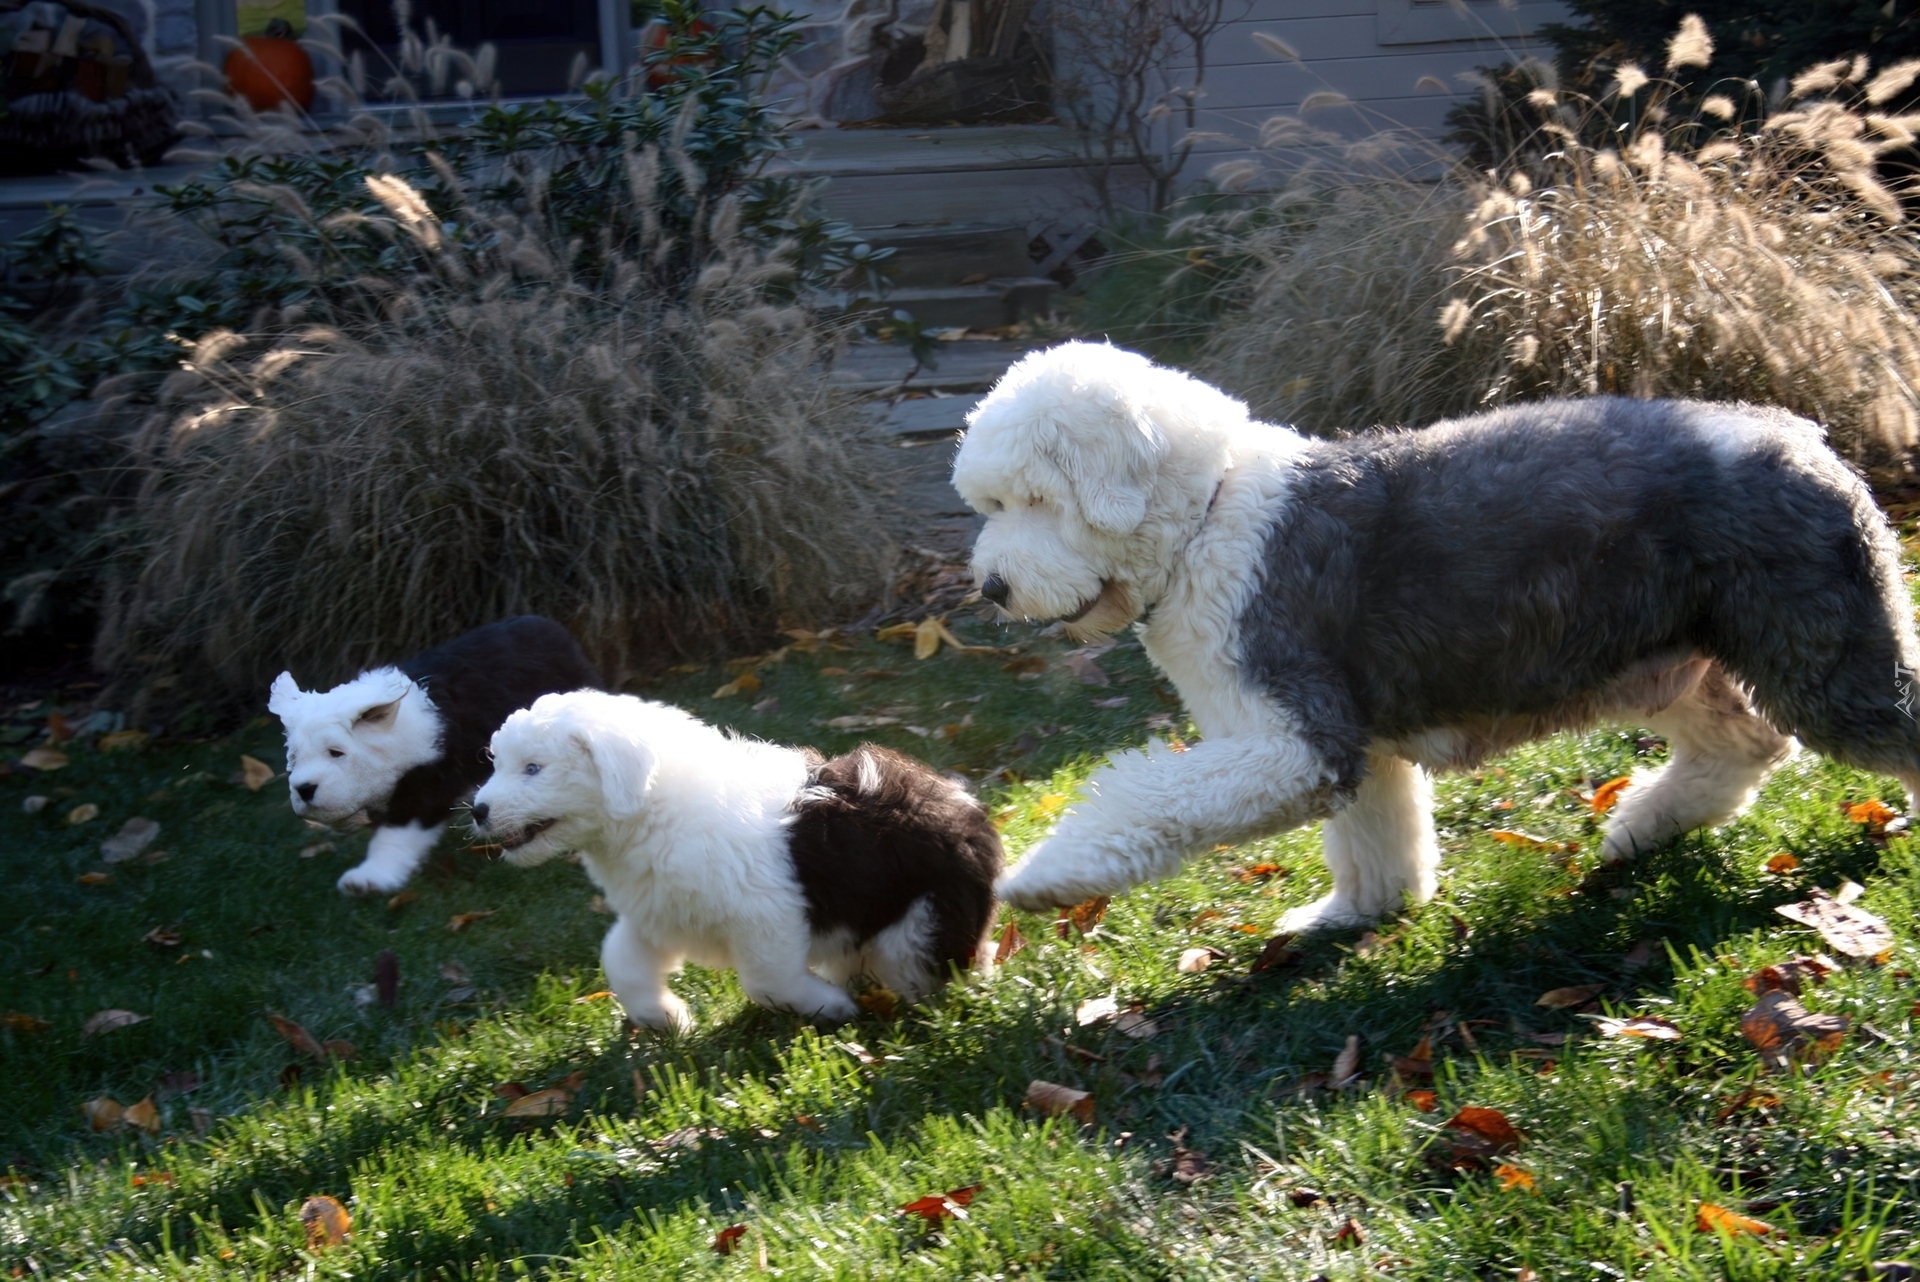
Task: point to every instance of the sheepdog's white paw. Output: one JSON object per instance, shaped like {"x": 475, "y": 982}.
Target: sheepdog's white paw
{"x": 1050, "y": 877}
{"x": 667, "y": 1014}
{"x": 1330, "y": 913}
{"x": 370, "y": 878}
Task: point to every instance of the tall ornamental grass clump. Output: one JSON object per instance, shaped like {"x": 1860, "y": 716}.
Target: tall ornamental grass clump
{"x": 557, "y": 365}
{"x": 1644, "y": 242}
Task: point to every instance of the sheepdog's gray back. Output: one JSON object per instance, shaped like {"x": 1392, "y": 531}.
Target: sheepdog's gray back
{"x": 1513, "y": 562}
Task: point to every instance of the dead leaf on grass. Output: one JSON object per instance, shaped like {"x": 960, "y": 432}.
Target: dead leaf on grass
{"x": 1276, "y": 955}
{"x": 1011, "y": 942}
{"x": 1527, "y": 841}
{"x": 935, "y": 1207}
{"x": 1083, "y": 667}
{"x": 95, "y": 878}
{"x": 1025, "y": 665}
{"x": 326, "y": 1222}
{"x": 21, "y": 1022}
{"x": 723, "y": 1240}
{"x": 115, "y": 740}
{"x": 460, "y": 921}
{"x": 1194, "y": 960}
{"x": 1781, "y": 864}
{"x": 1514, "y": 1177}
{"x": 135, "y": 835}
{"x": 551, "y": 1102}
{"x": 161, "y": 937}
{"x": 1416, "y": 1063}
{"x": 1346, "y": 1065}
{"x": 1567, "y": 998}
{"x": 46, "y": 759}
{"x": 1083, "y": 916}
{"x": 85, "y": 812}
{"x": 1349, "y": 1237}
{"x": 1136, "y": 1025}
{"x": 1054, "y": 1100}
{"x": 1847, "y": 929}
{"x": 108, "y": 1020}
{"x": 745, "y": 683}
{"x": 1779, "y": 1026}
{"x": 1788, "y": 976}
{"x": 1423, "y": 1099}
{"x": 1607, "y": 795}
{"x": 1258, "y": 873}
{"x": 103, "y": 1114}
{"x": 1484, "y": 1129}
{"x": 1718, "y": 1219}
{"x": 881, "y": 1001}
{"x": 1095, "y": 1009}
{"x": 297, "y": 1036}
{"x": 1648, "y": 1026}
{"x": 254, "y": 773}
{"x": 1186, "y": 1165}
{"x": 143, "y": 1116}
{"x": 1873, "y": 812}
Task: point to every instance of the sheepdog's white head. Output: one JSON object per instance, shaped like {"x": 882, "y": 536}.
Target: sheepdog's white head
{"x": 1093, "y": 467}
{"x": 347, "y": 747}
{"x": 568, "y": 768}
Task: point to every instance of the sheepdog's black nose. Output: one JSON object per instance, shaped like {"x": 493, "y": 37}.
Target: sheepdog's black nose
{"x": 306, "y": 790}
{"x": 480, "y": 815}
{"x": 995, "y": 589}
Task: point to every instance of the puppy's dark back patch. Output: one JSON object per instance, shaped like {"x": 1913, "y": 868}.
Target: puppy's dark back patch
{"x": 874, "y": 831}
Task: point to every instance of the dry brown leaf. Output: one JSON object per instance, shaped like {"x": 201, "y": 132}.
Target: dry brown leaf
{"x": 938, "y": 1206}
{"x": 1083, "y": 916}
{"x": 548, "y": 1103}
{"x": 600, "y": 995}
{"x": 1346, "y": 1065}
{"x": 402, "y": 899}
{"x": 1847, "y": 929}
{"x": 1782, "y": 864}
{"x": 46, "y": 759}
{"x": 1424, "y": 1100}
{"x": 1025, "y": 665}
{"x": 1526, "y": 841}
{"x": 1647, "y": 1026}
{"x": 1095, "y": 1009}
{"x": 1514, "y": 1177}
{"x": 1136, "y": 1025}
{"x": 1416, "y": 1063}
{"x": 161, "y": 937}
{"x": 297, "y": 1036}
{"x": 1567, "y": 998}
{"x": 1276, "y": 955}
{"x": 95, "y": 878}
{"x": 143, "y": 1115}
{"x": 1873, "y": 812}
{"x": 85, "y": 812}
{"x": 1186, "y": 1165}
{"x": 1082, "y": 665}
{"x": 115, "y": 740}
{"x": 460, "y": 921}
{"x": 21, "y": 1022}
{"x": 1718, "y": 1219}
{"x": 1258, "y": 873}
{"x": 881, "y": 1001}
{"x": 1011, "y": 942}
{"x": 103, "y": 1114}
{"x": 326, "y": 1222}
{"x": 1489, "y": 1126}
{"x": 254, "y": 773}
{"x": 108, "y": 1020}
{"x": 1607, "y": 795}
{"x": 1350, "y": 1236}
{"x": 1779, "y": 1026}
{"x": 745, "y": 683}
{"x": 1788, "y": 976}
{"x": 1054, "y": 1099}
{"x": 723, "y": 1240}
{"x": 135, "y": 835}
{"x": 1194, "y": 960}
{"x": 926, "y": 638}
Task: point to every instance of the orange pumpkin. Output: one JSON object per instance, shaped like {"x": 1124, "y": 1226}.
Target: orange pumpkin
{"x": 655, "y": 36}
{"x": 271, "y": 69}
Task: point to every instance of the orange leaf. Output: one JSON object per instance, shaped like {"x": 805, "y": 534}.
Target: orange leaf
{"x": 1526, "y": 841}
{"x": 1011, "y": 942}
{"x": 1710, "y": 1219}
{"x": 1782, "y": 864}
{"x": 600, "y": 996}
{"x": 460, "y": 921}
{"x": 1512, "y": 1177}
{"x": 937, "y": 1206}
{"x": 1607, "y": 795}
{"x": 723, "y": 1240}
{"x": 297, "y": 1037}
{"x": 1276, "y": 955}
{"x": 327, "y": 1223}
{"x": 1872, "y": 812}
{"x": 745, "y": 683}
{"x": 1083, "y": 916}
{"x": 143, "y": 1115}
{"x": 1424, "y": 1100}
{"x": 401, "y": 900}
{"x": 1054, "y": 1099}
{"x": 103, "y": 1114}
{"x": 881, "y": 1000}
{"x": 548, "y": 1103}
{"x": 256, "y": 774}
{"x": 1489, "y": 1124}
{"x": 143, "y": 1178}
{"x": 1259, "y": 872}
{"x": 95, "y": 878}
{"x": 21, "y": 1022}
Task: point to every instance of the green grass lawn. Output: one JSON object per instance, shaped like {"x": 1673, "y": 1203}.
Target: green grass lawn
{"x": 813, "y": 1138}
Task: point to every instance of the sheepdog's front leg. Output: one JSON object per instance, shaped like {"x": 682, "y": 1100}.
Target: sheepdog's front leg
{"x": 637, "y": 973}
{"x": 393, "y": 853}
{"x": 1381, "y": 850}
{"x": 1146, "y": 811}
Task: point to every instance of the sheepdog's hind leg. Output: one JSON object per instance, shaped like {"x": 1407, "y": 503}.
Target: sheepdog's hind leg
{"x": 393, "y": 853}
{"x": 1722, "y": 752}
{"x": 773, "y": 970}
{"x": 1381, "y": 850}
{"x": 637, "y": 973}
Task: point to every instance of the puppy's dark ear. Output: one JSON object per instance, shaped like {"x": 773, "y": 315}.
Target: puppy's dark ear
{"x": 625, "y": 767}
{"x": 378, "y": 717}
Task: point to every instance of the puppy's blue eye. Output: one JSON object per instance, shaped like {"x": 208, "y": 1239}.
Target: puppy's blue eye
{"x": 531, "y": 768}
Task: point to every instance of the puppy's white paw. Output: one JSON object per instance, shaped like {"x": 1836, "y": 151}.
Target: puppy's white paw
{"x": 1044, "y": 879}
{"x": 668, "y": 1015}
{"x": 837, "y": 1009}
{"x": 1330, "y": 913}
{"x": 366, "y": 879}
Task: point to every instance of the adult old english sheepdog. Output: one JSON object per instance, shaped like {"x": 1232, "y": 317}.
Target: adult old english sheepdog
{"x": 403, "y": 745}
{"x": 796, "y": 872}
{"x": 1342, "y": 617}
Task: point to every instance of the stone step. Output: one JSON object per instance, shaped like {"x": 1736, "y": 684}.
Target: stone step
{"x": 950, "y": 254}
{"x": 966, "y": 366}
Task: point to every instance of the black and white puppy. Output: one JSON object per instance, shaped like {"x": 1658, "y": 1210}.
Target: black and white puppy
{"x": 795, "y": 872}
{"x": 404, "y": 744}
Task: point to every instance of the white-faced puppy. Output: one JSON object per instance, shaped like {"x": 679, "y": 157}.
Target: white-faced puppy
{"x": 797, "y": 873}
{"x": 402, "y": 745}
{"x": 1342, "y": 616}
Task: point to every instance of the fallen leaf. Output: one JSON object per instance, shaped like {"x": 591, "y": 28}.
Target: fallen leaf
{"x": 1082, "y": 665}
{"x": 1025, "y": 665}
{"x": 460, "y": 921}
{"x": 315, "y": 849}
{"x": 1847, "y": 929}
{"x": 1054, "y": 1099}
{"x": 95, "y": 878}
{"x": 1788, "y": 976}
{"x": 454, "y": 973}
{"x": 326, "y": 1221}
{"x": 161, "y": 937}
{"x": 1011, "y": 942}
{"x": 1416, "y": 1063}
{"x": 1118, "y": 701}
{"x": 1349, "y": 1236}
{"x": 34, "y": 805}
{"x": 1136, "y": 1025}
{"x": 1778, "y": 1025}
{"x": 115, "y": 740}
{"x": 1083, "y": 916}
{"x": 1194, "y": 960}
{"x": 1258, "y": 873}
{"x": 108, "y": 1020}
{"x": 1607, "y": 795}
{"x": 1526, "y": 841}
{"x": 103, "y": 1114}
{"x": 723, "y": 1240}
{"x": 1872, "y": 812}
{"x": 1186, "y": 1165}
{"x": 1276, "y": 955}
{"x": 858, "y": 723}
{"x": 1346, "y": 1065}
{"x": 255, "y": 774}
{"x": 21, "y": 1022}
{"x": 745, "y": 683}
{"x": 1782, "y": 864}
{"x": 85, "y": 812}
{"x": 178, "y": 1083}
{"x": 1513, "y": 1177}
{"x": 1489, "y": 1125}
{"x": 1424, "y": 1100}
{"x": 45, "y": 759}
{"x": 1304, "y": 1197}
{"x": 938, "y": 1206}
{"x": 297, "y": 1036}
{"x": 144, "y": 1178}
{"x": 401, "y": 900}
{"x": 1567, "y": 998}
{"x": 598, "y": 996}
{"x": 926, "y": 638}
{"x": 1648, "y": 1026}
{"x": 143, "y": 1115}
{"x": 1095, "y": 1009}
{"x": 881, "y": 1001}
{"x": 135, "y": 835}
{"x": 1747, "y": 1099}
{"x": 1718, "y": 1219}
{"x": 548, "y": 1103}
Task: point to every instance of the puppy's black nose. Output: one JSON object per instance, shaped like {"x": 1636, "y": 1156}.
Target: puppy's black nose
{"x": 995, "y": 589}
{"x": 306, "y": 790}
{"x": 480, "y": 815}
